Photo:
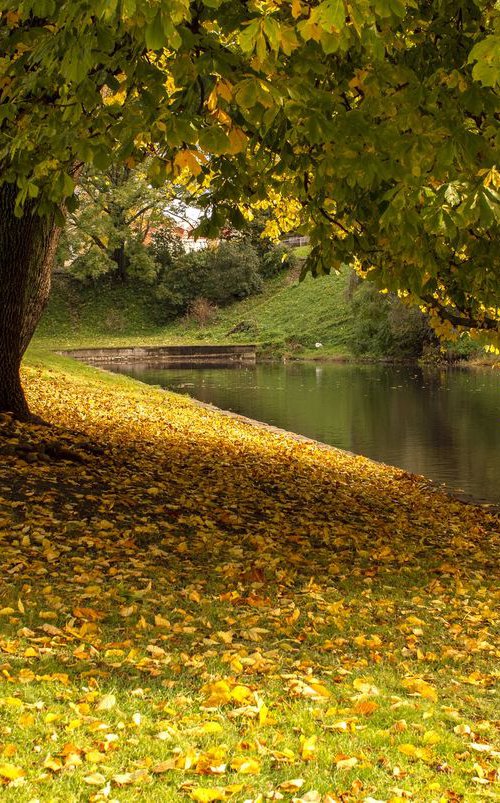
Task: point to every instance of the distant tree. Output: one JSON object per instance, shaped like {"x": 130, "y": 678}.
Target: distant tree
{"x": 108, "y": 233}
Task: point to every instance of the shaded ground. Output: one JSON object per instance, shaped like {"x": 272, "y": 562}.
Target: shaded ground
{"x": 193, "y": 607}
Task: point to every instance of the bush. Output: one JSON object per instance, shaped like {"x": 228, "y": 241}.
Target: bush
{"x": 383, "y": 326}
{"x": 224, "y": 274}
{"x": 275, "y": 260}
{"x": 202, "y": 311}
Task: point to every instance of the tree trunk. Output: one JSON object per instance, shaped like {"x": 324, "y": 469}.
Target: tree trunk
{"x": 27, "y": 248}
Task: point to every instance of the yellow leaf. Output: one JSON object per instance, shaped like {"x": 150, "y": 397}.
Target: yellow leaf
{"x": 292, "y": 785}
{"x": 13, "y": 702}
{"x": 309, "y": 748}
{"x": 164, "y": 766}
{"x": 241, "y": 693}
{"x": 52, "y": 764}
{"x": 321, "y": 690}
{"x": 407, "y": 749}
{"x": 246, "y": 766}
{"x": 126, "y": 778}
{"x": 365, "y": 686}
{"x": 107, "y": 702}
{"x": 188, "y": 159}
{"x": 205, "y": 795}
{"x": 95, "y": 757}
{"x": 96, "y": 779}
{"x": 431, "y": 737}
{"x": 346, "y": 763}
{"x": 365, "y": 707}
{"x": 219, "y": 693}
{"x": 238, "y": 140}
{"x": 420, "y": 687}
{"x": 10, "y": 772}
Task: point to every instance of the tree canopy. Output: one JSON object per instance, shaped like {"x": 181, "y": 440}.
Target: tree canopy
{"x": 371, "y": 125}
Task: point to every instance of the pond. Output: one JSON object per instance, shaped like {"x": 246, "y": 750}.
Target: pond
{"x": 443, "y": 423}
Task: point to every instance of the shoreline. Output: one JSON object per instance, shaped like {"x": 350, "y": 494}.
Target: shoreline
{"x": 431, "y": 485}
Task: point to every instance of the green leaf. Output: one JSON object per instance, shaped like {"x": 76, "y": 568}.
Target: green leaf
{"x": 214, "y": 140}
{"x": 155, "y": 34}
{"x": 332, "y": 12}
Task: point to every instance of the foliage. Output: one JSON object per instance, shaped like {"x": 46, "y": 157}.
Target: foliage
{"x": 275, "y": 260}
{"x": 108, "y": 232}
{"x": 221, "y": 274}
{"x": 369, "y": 125}
{"x": 196, "y": 608}
{"x": 383, "y": 326}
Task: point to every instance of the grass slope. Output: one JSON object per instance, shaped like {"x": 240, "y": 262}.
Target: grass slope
{"x": 288, "y": 316}
{"x": 194, "y": 608}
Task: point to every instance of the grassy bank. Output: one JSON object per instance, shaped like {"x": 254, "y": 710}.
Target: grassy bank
{"x": 194, "y": 608}
{"x": 287, "y": 318}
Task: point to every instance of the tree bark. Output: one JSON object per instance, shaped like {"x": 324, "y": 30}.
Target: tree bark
{"x": 27, "y": 249}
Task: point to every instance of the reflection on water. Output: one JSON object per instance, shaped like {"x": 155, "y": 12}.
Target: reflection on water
{"x": 444, "y": 424}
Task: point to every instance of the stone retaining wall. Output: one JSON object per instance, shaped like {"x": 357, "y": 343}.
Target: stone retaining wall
{"x": 166, "y": 354}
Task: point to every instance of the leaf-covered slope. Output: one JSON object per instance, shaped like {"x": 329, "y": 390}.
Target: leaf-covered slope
{"x": 193, "y": 607}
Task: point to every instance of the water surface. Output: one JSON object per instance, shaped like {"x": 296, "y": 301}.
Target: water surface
{"x": 443, "y": 423}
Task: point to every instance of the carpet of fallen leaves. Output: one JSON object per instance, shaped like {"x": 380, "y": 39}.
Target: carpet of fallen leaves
{"x": 195, "y": 608}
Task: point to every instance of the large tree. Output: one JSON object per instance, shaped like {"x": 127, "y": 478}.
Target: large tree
{"x": 372, "y": 125}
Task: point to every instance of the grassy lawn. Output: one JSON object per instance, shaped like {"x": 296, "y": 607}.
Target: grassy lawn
{"x": 195, "y": 608}
{"x": 287, "y": 317}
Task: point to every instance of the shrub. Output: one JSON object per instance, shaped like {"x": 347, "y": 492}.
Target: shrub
{"x": 202, "y": 311}
{"x": 221, "y": 275}
{"x": 277, "y": 259}
{"x": 383, "y": 326}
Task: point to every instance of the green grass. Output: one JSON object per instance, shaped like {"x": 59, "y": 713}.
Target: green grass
{"x": 287, "y": 318}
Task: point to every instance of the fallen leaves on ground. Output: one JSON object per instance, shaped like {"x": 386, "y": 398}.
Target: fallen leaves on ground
{"x": 195, "y": 608}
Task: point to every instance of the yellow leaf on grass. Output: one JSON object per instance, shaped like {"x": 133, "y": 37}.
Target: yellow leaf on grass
{"x": 126, "y": 778}
{"x": 245, "y": 766}
{"x": 365, "y": 707}
{"x": 346, "y": 763}
{"x": 365, "y": 686}
{"x": 205, "y": 795}
{"x": 422, "y": 753}
{"x": 52, "y": 764}
{"x": 320, "y": 690}
{"x": 107, "y": 702}
{"x": 420, "y": 687}
{"x": 241, "y": 693}
{"x": 407, "y": 749}
{"x": 96, "y": 779}
{"x": 292, "y": 785}
{"x": 218, "y": 693}
{"x": 95, "y": 757}
{"x": 10, "y": 772}
{"x": 309, "y": 748}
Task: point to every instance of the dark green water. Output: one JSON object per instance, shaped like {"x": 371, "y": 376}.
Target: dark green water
{"x": 444, "y": 424}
